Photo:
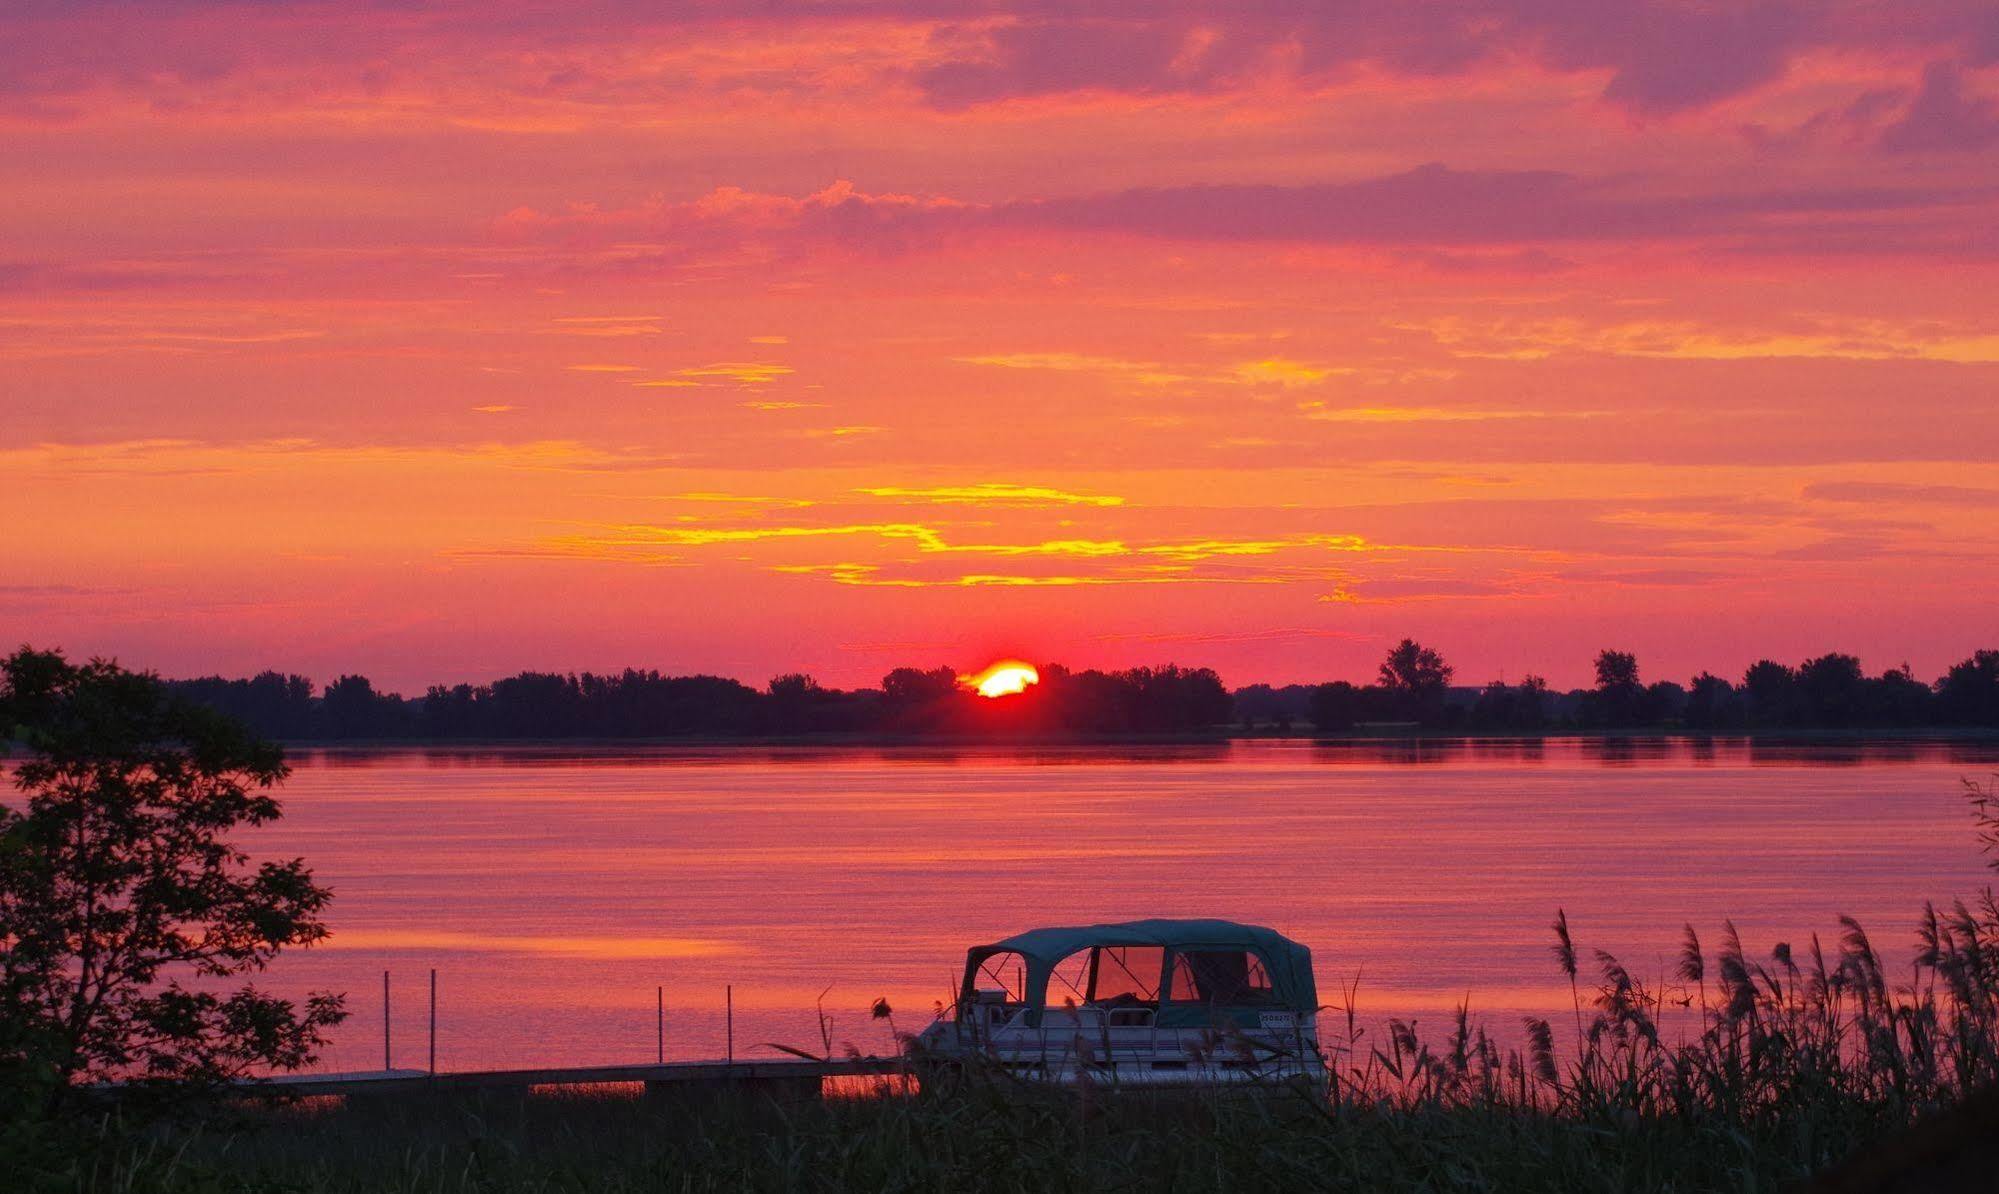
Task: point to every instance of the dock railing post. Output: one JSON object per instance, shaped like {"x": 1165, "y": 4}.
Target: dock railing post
{"x": 433, "y": 1021}
{"x": 729, "y": 1018}
{"x": 386, "y": 1067}
{"x": 659, "y": 1003}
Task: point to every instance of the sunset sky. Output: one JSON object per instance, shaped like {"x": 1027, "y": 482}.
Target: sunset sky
{"x": 438, "y": 341}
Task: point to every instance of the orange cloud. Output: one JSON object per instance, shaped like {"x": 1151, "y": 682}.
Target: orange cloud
{"x": 993, "y": 493}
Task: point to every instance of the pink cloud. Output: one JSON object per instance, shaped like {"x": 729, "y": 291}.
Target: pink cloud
{"x": 1658, "y": 57}
{"x": 1944, "y": 117}
{"x": 1432, "y": 205}
{"x": 1661, "y": 57}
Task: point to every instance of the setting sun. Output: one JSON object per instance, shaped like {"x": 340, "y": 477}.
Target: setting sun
{"x": 1005, "y": 678}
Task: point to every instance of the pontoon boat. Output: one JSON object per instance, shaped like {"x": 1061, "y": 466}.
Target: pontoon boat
{"x": 1145, "y": 1003}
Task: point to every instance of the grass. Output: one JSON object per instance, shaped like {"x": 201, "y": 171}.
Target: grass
{"x": 983, "y": 1136}
{"x": 1743, "y": 1072}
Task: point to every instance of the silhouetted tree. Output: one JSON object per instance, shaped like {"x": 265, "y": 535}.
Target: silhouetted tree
{"x": 1830, "y": 690}
{"x": 1336, "y": 706}
{"x": 1172, "y": 698}
{"x": 1146, "y": 700}
{"x": 1712, "y": 704}
{"x": 1415, "y": 679}
{"x": 1089, "y": 701}
{"x": 1282, "y": 706}
{"x": 791, "y": 700}
{"x": 535, "y": 705}
{"x": 1770, "y": 694}
{"x": 908, "y": 687}
{"x": 624, "y": 705}
{"x": 460, "y": 711}
{"x": 1511, "y": 707}
{"x": 351, "y": 708}
{"x": 915, "y": 699}
{"x": 1896, "y": 698}
{"x": 1969, "y": 693}
{"x": 1616, "y": 669}
{"x": 708, "y": 705}
{"x": 1532, "y": 701}
{"x": 270, "y": 703}
{"x": 1618, "y": 696}
{"x": 1662, "y": 701}
{"x": 123, "y": 903}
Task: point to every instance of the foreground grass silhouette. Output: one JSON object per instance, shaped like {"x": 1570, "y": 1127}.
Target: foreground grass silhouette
{"x": 1740, "y": 1073}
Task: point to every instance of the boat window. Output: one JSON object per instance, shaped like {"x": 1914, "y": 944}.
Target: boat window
{"x": 1069, "y": 979}
{"x": 1127, "y": 974}
{"x": 1005, "y": 971}
{"x": 1229, "y": 977}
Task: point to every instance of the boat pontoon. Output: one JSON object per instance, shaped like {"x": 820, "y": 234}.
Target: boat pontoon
{"x": 1145, "y": 1003}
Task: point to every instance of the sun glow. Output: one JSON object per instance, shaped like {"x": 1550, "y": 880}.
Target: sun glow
{"x": 1004, "y": 678}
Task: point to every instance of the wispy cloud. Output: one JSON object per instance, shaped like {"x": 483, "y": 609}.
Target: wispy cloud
{"x": 1282, "y": 372}
{"x": 749, "y": 373}
{"x": 742, "y": 499}
{"x": 1275, "y": 634}
{"x": 1324, "y": 412}
{"x": 1822, "y": 337}
{"x": 870, "y": 575}
{"x": 1074, "y": 362}
{"x": 1269, "y": 371}
{"x": 910, "y": 551}
{"x": 1891, "y": 492}
{"x": 993, "y": 493}
{"x": 611, "y": 331}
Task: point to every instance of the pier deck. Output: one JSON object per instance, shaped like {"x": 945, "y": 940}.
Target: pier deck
{"x": 788, "y": 1075}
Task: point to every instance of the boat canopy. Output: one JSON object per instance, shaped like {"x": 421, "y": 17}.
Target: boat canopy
{"x": 1289, "y": 964}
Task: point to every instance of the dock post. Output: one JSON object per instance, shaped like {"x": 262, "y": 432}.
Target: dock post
{"x": 655, "y": 1091}
{"x": 729, "y": 1018}
{"x": 433, "y": 1021}
{"x": 386, "y": 1067}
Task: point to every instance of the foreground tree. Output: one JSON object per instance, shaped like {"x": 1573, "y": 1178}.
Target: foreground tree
{"x": 124, "y": 908}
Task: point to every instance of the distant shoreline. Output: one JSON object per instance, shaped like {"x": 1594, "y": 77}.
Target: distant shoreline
{"x": 1855, "y": 737}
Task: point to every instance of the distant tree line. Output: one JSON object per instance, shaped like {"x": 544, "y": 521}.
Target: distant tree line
{"x": 1413, "y": 687}
{"x": 650, "y": 704}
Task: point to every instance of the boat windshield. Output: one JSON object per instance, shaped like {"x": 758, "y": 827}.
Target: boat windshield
{"x": 1126, "y": 975}
{"x": 1005, "y": 972}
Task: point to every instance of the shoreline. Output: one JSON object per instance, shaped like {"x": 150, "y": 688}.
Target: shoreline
{"x": 1928, "y": 736}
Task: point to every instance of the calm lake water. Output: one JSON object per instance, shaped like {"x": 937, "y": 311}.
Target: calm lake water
{"x": 554, "y": 890}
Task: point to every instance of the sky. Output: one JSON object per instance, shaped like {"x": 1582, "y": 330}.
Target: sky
{"x": 439, "y": 341}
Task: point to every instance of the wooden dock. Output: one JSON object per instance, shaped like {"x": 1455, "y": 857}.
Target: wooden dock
{"x": 786, "y": 1078}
